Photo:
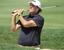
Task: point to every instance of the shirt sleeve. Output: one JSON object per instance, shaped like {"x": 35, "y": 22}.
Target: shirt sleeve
{"x": 18, "y": 22}
{"x": 39, "y": 21}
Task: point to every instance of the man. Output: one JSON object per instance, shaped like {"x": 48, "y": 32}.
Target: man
{"x": 31, "y": 25}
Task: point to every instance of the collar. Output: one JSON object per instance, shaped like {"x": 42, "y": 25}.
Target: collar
{"x": 32, "y": 16}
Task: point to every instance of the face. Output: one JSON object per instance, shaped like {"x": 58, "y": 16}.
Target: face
{"x": 33, "y": 9}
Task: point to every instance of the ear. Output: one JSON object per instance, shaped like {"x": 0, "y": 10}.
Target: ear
{"x": 37, "y": 9}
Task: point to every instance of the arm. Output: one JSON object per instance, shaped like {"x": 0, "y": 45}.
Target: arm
{"x": 24, "y": 22}
{"x": 14, "y": 26}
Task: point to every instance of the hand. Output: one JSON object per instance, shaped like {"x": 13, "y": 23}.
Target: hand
{"x": 14, "y": 13}
{"x": 20, "y": 12}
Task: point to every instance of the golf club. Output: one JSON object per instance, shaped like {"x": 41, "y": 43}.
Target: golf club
{"x": 44, "y": 8}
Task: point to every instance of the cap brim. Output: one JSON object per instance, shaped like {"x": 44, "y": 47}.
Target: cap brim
{"x": 32, "y": 3}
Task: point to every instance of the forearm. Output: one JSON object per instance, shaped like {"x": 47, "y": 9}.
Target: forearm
{"x": 26, "y": 23}
{"x": 23, "y": 21}
{"x": 13, "y": 23}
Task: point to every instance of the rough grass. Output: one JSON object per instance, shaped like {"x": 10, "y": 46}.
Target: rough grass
{"x": 50, "y": 38}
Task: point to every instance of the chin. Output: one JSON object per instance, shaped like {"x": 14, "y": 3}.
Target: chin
{"x": 30, "y": 11}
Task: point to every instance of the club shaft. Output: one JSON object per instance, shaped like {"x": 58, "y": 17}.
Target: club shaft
{"x": 45, "y": 8}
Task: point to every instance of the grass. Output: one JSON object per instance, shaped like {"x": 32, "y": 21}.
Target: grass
{"x": 52, "y": 38}
{"x": 13, "y": 47}
{"x": 52, "y": 33}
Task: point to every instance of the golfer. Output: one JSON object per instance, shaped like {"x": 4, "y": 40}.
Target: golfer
{"x": 31, "y": 24}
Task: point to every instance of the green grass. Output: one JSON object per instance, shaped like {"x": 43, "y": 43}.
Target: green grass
{"x": 13, "y": 47}
{"x": 52, "y": 33}
{"x": 52, "y": 38}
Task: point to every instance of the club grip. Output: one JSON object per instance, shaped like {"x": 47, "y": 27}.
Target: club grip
{"x": 15, "y": 12}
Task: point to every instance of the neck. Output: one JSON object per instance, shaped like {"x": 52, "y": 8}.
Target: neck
{"x": 32, "y": 14}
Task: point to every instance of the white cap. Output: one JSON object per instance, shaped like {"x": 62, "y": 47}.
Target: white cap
{"x": 36, "y": 3}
